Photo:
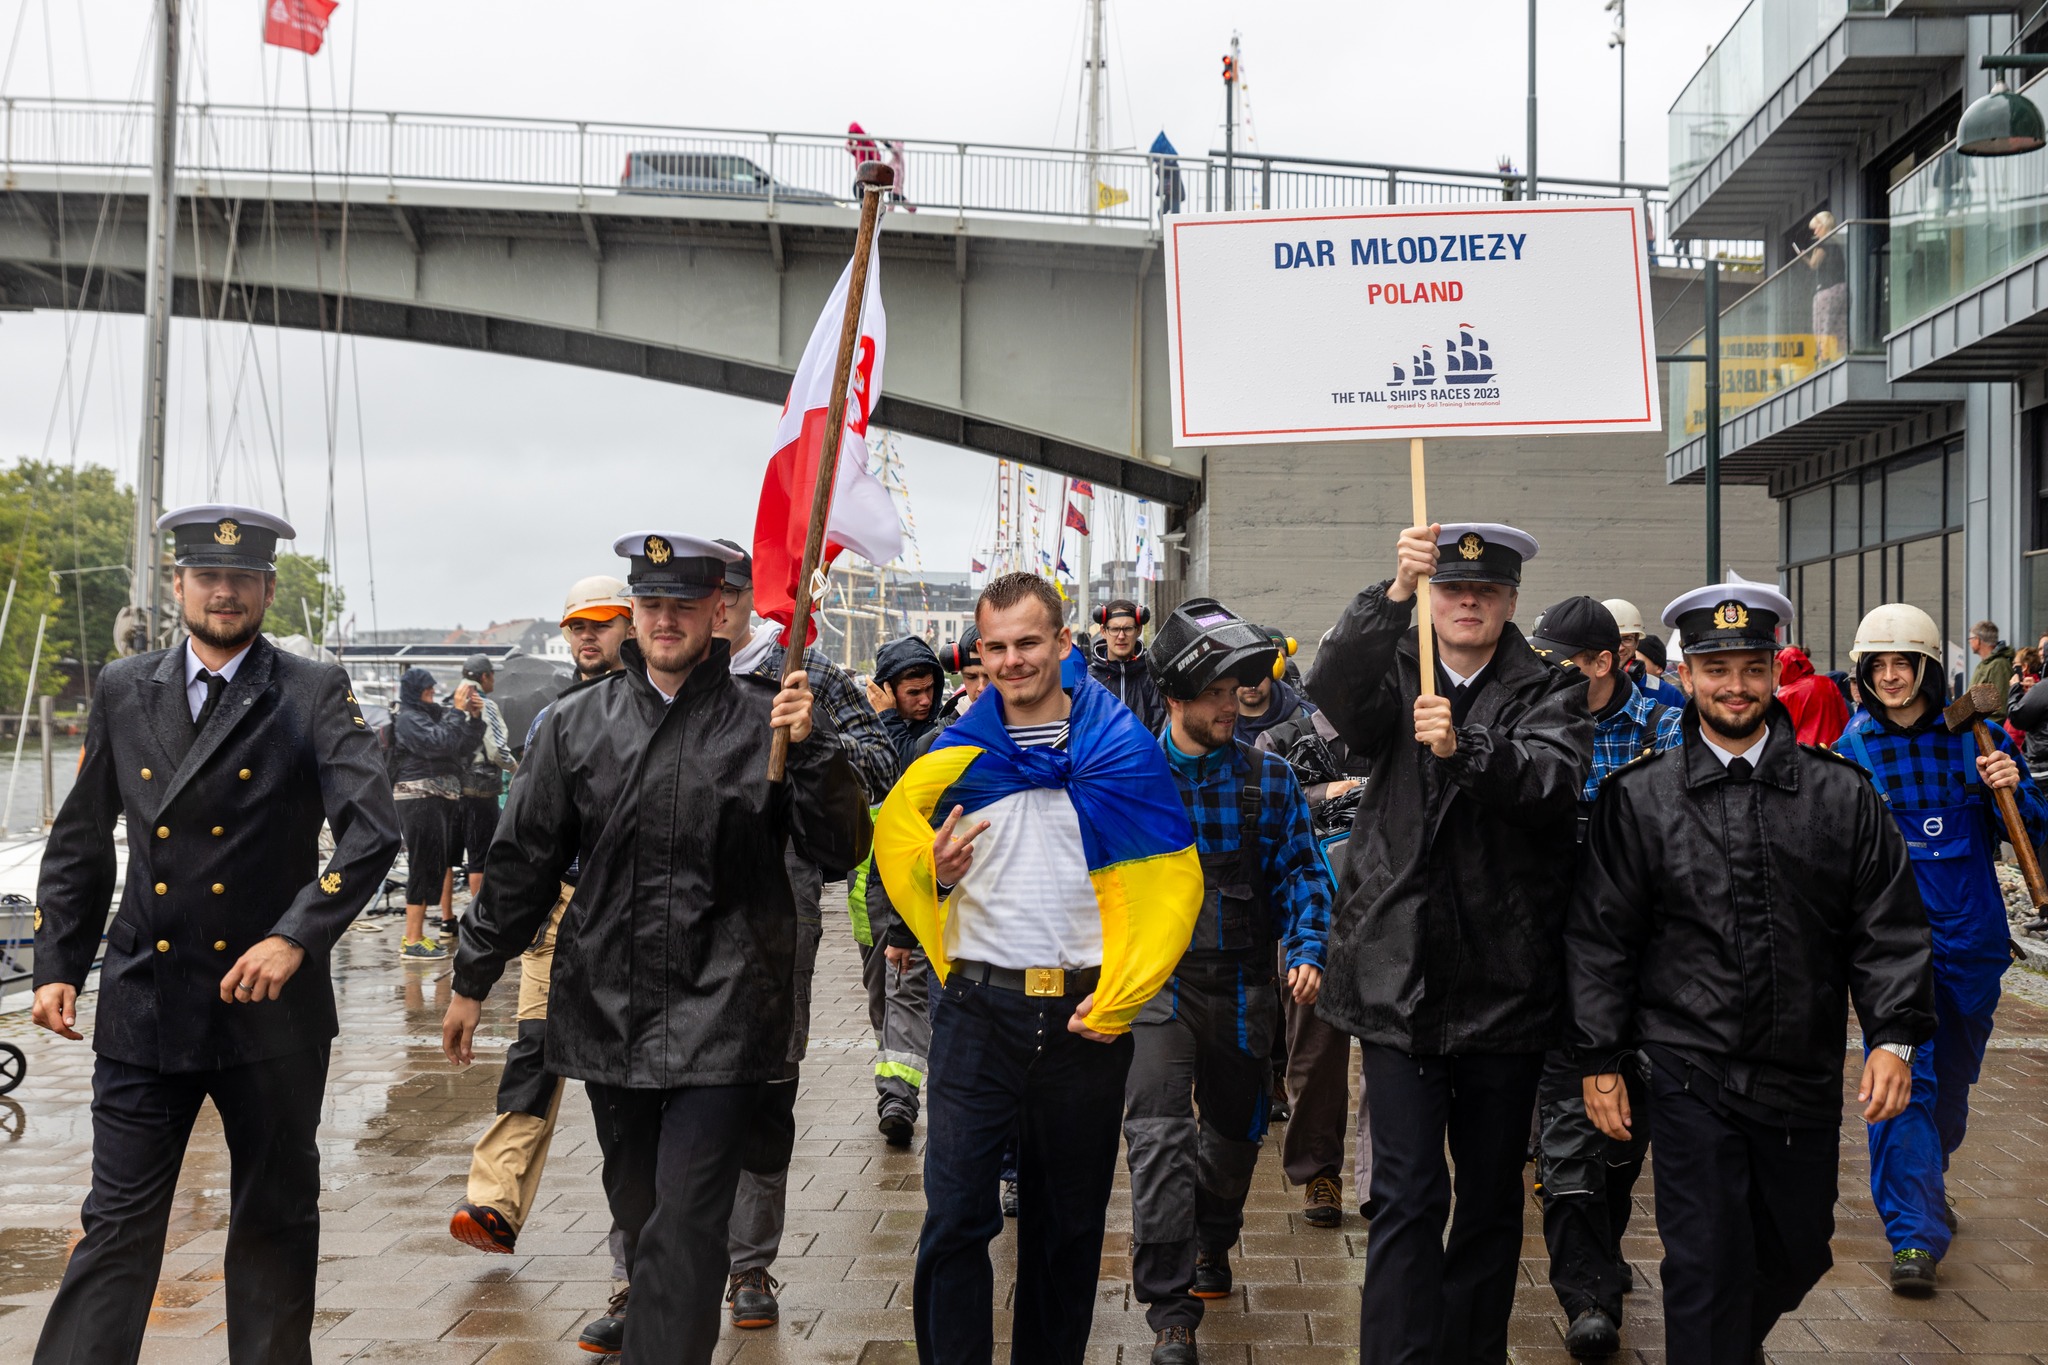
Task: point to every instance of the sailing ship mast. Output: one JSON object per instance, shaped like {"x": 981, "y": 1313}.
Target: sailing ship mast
{"x": 143, "y": 629}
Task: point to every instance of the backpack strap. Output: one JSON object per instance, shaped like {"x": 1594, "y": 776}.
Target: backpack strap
{"x": 1853, "y": 736}
{"x": 1652, "y": 725}
{"x": 1250, "y": 800}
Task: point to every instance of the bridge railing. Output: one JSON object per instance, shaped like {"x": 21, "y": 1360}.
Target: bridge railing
{"x": 597, "y": 158}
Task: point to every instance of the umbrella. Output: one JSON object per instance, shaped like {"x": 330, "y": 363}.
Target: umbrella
{"x": 521, "y": 685}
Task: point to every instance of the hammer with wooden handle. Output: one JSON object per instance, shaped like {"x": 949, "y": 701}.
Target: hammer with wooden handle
{"x": 1970, "y": 709}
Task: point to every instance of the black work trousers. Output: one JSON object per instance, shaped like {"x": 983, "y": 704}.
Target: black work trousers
{"x": 1005, "y": 1069}
{"x": 1588, "y": 1182}
{"x": 1427, "y": 1299}
{"x": 1203, "y": 1043}
{"x": 141, "y": 1121}
{"x": 1746, "y": 1209}
{"x": 671, "y": 1168}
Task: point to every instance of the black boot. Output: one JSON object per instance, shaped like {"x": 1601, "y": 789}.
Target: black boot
{"x": 1175, "y": 1346}
{"x": 1592, "y": 1336}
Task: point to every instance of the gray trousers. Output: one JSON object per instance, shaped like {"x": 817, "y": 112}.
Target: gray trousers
{"x": 761, "y": 1206}
{"x": 900, "y": 1008}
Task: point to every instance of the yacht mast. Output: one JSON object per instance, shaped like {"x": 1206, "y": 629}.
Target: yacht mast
{"x": 1093, "y": 81}
{"x": 145, "y": 629}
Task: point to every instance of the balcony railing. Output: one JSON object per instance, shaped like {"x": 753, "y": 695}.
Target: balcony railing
{"x": 1825, "y": 306}
{"x": 1959, "y": 221}
{"x": 1765, "y": 44}
{"x": 1127, "y": 189}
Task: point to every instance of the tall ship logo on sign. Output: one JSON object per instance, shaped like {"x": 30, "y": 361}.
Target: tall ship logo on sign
{"x": 1466, "y": 373}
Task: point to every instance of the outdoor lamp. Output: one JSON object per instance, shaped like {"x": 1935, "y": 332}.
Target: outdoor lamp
{"x": 2003, "y": 122}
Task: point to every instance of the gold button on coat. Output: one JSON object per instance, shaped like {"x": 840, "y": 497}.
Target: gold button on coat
{"x": 218, "y": 831}
{"x": 163, "y": 945}
{"x": 220, "y": 945}
{"x": 145, "y": 774}
{"x": 218, "y": 888}
{"x": 163, "y": 831}
{"x": 244, "y": 774}
{"x": 161, "y": 888}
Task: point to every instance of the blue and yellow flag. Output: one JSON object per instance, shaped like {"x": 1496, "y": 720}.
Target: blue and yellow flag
{"x": 1134, "y": 831}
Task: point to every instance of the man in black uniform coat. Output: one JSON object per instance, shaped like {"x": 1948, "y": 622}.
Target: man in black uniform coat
{"x": 1734, "y": 890}
{"x": 226, "y": 754}
{"x": 1446, "y": 956}
{"x": 672, "y": 996}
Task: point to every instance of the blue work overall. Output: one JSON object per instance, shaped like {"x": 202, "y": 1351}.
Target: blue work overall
{"x": 1953, "y": 852}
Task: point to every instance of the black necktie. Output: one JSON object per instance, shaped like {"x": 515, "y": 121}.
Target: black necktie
{"x": 215, "y": 683}
{"x": 1740, "y": 769}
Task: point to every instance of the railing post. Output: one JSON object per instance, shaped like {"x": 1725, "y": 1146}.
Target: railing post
{"x": 1265, "y": 182}
{"x": 8, "y": 136}
{"x": 1393, "y": 187}
{"x": 771, "y": 175}
{"x": 582, "y": 137}
{"x": 960, "y": 192}
{"x": 391, "y": 157}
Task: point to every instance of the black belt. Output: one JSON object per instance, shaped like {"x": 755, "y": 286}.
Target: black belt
{"x": 1038, "y": 981}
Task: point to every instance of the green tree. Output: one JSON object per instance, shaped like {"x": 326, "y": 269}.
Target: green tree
{"x": 64, "y": 543}
{"x": 299, "y": 583}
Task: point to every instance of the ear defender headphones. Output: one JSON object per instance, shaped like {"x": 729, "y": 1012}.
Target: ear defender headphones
{"x": 1288, "y": 644}
{"x": 1143, "y": 614}
{"x": 959, "y": 656}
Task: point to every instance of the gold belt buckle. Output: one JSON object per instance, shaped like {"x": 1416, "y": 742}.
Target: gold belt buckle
{"x": 1045, "y": 981}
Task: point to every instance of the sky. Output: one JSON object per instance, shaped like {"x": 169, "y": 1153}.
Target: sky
{"x": 475, "y": 488}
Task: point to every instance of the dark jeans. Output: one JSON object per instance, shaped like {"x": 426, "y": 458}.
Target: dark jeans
{"x": 1747, "y": 1210}
{"x": 476, "y": 821}
{"x": 1426, "y": 1300}
{"x": 141, "y": 1121}
{"x": 1588, "y": 1182}
{"x": 1003, "y": 1063}
{"x": 671, "y": 1168}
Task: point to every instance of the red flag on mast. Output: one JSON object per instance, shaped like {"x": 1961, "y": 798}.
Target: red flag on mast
{"x": 1076, "y": 520}
{"x": 297, "y": 24}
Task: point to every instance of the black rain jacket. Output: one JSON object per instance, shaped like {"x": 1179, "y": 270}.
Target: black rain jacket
{"x": 675, "y": 959}
{"x": 1130, "y": 681}
{"x": 1725, "y": 920}
{"x": 1451, "y": 938}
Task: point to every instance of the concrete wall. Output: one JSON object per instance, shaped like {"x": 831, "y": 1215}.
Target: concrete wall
{"x": 1288, "y": 534}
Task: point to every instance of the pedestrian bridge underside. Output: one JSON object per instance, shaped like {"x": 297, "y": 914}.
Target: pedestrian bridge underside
{"x": 1034, "y": 341}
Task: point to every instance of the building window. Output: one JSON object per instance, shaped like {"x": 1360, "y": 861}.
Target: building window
{"x": 1887, "y": 533}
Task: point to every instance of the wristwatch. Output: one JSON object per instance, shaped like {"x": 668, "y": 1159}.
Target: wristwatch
{"x": 1902, "y": 1051}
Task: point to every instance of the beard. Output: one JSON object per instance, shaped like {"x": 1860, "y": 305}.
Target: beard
{"x": 202, "y": 628}
{"x": 676, "y": 656}
{"x": 1730, "y": 728}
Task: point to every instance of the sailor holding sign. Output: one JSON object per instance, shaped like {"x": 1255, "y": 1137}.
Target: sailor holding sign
{"x": 1447, "y": 958}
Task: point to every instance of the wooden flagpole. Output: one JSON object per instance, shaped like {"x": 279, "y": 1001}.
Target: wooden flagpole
{"x": 1425, "y": 633}
{"x": 872, "y": 178}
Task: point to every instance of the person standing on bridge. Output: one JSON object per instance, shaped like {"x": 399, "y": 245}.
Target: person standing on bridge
{"x": 1058, "y": 893}
{"x": 1446, "y": 964}
{"x": 1737, "y": 893}
{"x": 675, "y": 959}
{"x": 225, "y": 755}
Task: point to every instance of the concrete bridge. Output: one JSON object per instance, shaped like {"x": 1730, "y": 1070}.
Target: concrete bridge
{"x": 1025, "y": 292}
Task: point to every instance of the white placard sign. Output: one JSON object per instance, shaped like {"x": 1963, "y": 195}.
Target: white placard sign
{"x": 1487, "y": 319}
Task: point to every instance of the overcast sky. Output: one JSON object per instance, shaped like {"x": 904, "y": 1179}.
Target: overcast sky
{"x": 490, "y": 483}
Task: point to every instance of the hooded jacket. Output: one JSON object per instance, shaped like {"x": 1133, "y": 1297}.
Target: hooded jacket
{"x": 1450, "y": 936}
{"x": 675, "y": 958}
{"x": 1130, "y": 682}
{"x": 432, "y": 739}
{"x": 1996, "y": 669}
{"x": 1815, "y": 703}
{"x": 1285, "y": 706}
{"x": 1726, "y": 920}
{"x": 895, "y": 660}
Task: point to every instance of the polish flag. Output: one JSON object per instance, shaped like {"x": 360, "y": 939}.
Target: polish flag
{"x": 863, "y": 517}
{"x": 297, "y": 24}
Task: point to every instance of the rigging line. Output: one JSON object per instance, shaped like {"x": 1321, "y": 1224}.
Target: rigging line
{"x": 14, "y": 45}
{"x": 341, "y": 323}
{"x": 1073, "y": 41}
{"x": 205, "y": 357}
{"x": 355, "y": 370}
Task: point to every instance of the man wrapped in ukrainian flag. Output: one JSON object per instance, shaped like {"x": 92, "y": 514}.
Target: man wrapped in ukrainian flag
{"x": 1053, "y": 900}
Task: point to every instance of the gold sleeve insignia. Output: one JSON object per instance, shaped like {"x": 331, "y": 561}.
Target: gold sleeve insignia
{"x": 331, "y": 883}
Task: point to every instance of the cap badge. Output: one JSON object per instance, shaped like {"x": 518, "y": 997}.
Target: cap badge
{"x": 658, "y": 550}
{"x": 331, "y": 883}
{"x": 1470, "y": 546}
{"x": 1731, "y": 616}
{"x": 227, "y": 533}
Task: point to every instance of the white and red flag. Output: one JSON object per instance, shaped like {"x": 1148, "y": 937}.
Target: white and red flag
{"x": 863, "y": 517}
{"x": 297, "y": 24}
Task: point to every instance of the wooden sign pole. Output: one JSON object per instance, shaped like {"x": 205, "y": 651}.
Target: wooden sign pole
{"x": 873, "y": 177}
{"x": 1425, "y": 634}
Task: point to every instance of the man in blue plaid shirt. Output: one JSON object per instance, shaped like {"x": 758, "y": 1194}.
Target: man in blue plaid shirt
{"x": 1587, "y": 1178}
{"x": 1938, "y": 789}
{"x": 1205, "y": 1041}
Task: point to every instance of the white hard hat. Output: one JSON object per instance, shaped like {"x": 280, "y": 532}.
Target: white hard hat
{"x": 1897, "y": 628}
{"x": 1627, "y": 619}
{"x": 590, "y": 597}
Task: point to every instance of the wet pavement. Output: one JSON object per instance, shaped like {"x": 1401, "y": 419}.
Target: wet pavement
{"x": 399, "y": 1121}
